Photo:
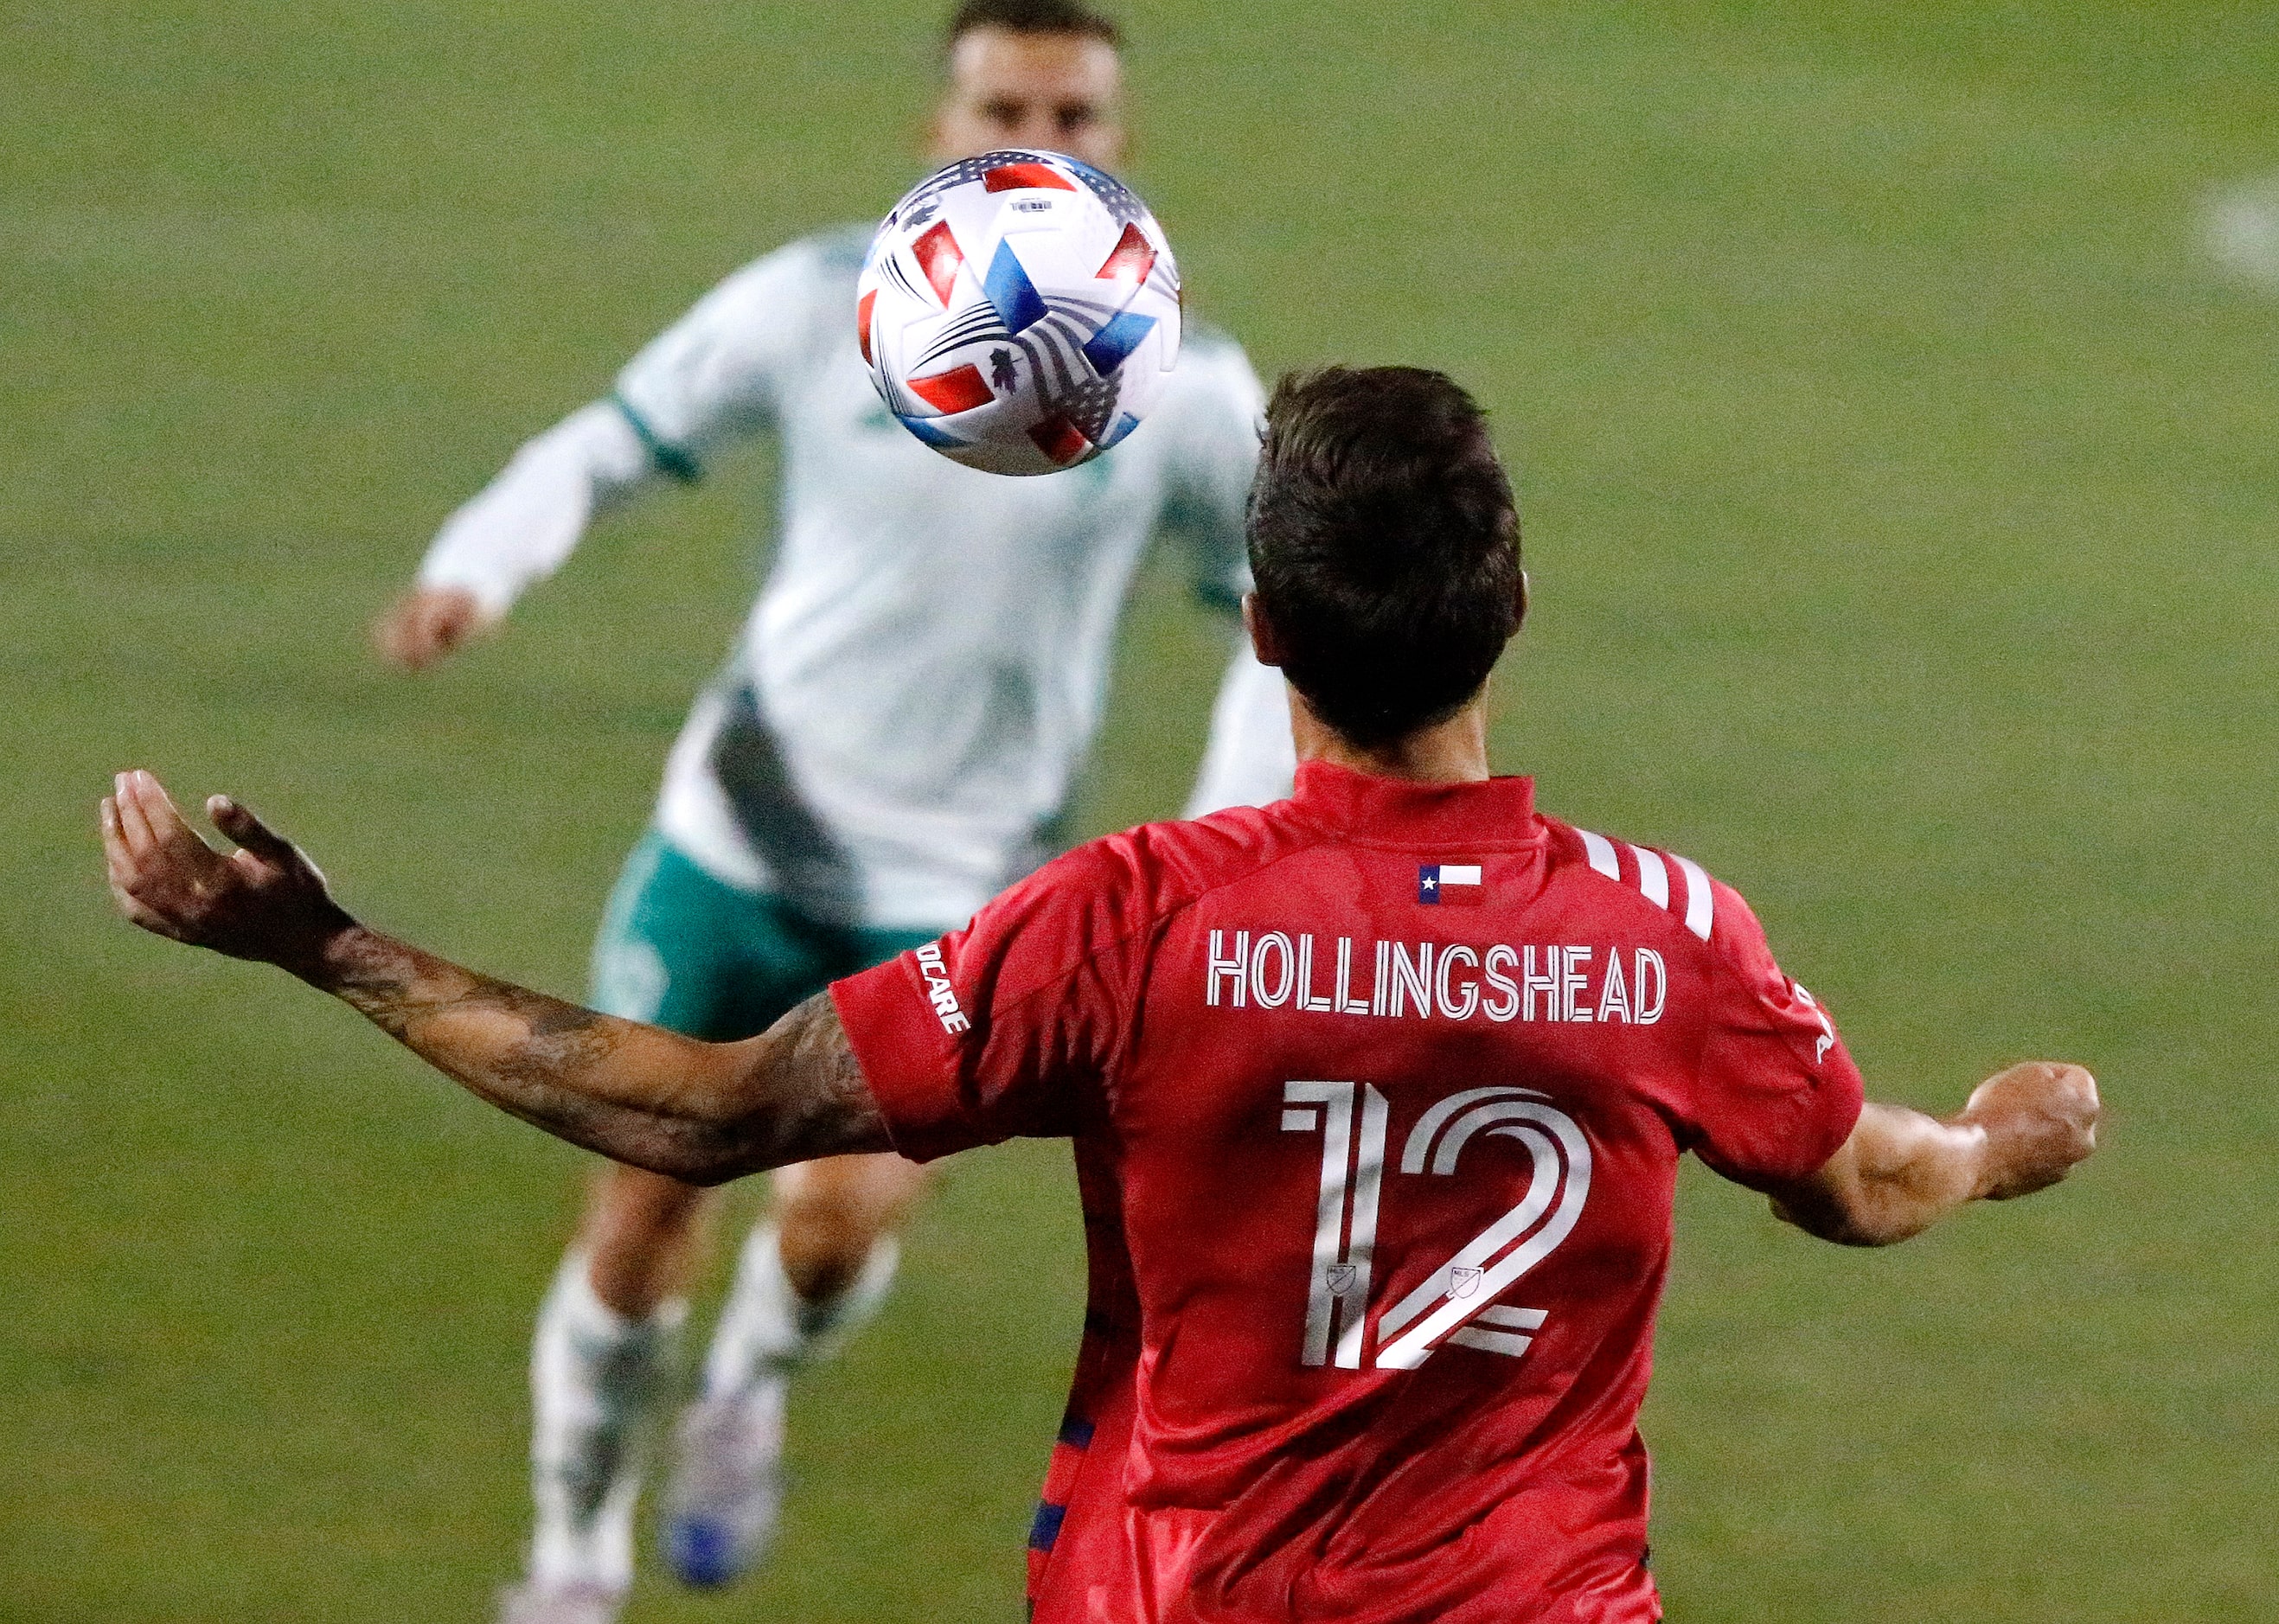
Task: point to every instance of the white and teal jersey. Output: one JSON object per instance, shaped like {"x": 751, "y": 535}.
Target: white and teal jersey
{"x": 895, "y": 735}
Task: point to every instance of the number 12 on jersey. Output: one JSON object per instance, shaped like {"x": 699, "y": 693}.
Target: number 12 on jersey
{"x": 1456, "y": 1302}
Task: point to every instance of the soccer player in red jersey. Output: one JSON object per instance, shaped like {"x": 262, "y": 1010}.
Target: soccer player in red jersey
{"x": 1377, "y": 1094}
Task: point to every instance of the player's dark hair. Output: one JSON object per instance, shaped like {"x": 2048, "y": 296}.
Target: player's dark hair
{"x": 1385, "y": 543}
{"x": 1032, "y": 16}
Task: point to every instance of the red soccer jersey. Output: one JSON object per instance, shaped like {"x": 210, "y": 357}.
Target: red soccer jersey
{"x": 1377, "y": 1096}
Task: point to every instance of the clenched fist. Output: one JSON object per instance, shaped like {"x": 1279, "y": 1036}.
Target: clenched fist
{"x": 2039, "y": 1118}
{"x": 427, "y": 624}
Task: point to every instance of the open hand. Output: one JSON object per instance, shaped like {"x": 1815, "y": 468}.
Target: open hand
{"x": 2040, "y": 1118}
{"x": 264, "y": 901}
{"x": 427, "y": 624}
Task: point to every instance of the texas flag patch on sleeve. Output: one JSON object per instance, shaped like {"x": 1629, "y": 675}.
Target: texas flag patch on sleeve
{"x": 1450, "y": 884}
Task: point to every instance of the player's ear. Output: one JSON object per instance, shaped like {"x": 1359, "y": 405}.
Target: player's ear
{"x": 1519, "y": 605}
{"x": 1263, "y": 643}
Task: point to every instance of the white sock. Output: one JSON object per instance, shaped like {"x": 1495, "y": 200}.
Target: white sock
{"x": 767, "y": 1329}
{"x": 595, "y": 1376}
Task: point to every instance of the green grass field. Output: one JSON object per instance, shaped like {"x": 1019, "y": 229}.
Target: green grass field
{"x": 1900, "y": 487}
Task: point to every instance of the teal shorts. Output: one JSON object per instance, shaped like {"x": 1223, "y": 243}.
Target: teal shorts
{"x": 682, "y": 950}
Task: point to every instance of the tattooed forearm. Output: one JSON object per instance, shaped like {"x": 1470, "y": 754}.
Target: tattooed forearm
{"x": 700, "y": 1111}
{"x": 696, "y": 1111}
{"x": 396, "y": 986}
{"x": 805, "y": 1068}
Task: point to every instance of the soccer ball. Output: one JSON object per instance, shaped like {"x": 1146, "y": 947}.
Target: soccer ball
{"x": 1019, "y": 311}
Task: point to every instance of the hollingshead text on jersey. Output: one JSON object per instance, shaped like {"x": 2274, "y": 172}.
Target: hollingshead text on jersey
{"x": 1498, "y": 981}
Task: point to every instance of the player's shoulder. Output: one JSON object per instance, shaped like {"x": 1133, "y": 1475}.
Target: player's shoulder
{"x": 1211, "y": 344}
{"x": 1148, "y": 874}
{"x": 1214, "y": 371}
{"x": 1214, "y": 357}
{"x": 1652, "y": 888}
{"x": 1221, "y": 847}
{"x": 838, "y": 251}
{"x": 817, "y": 265}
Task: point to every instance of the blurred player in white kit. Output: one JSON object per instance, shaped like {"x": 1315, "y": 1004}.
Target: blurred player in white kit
{"x": 891, "y": 743}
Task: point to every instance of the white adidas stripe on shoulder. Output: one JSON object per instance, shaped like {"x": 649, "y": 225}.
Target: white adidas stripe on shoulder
{"x": 1700, "y": 906}
{"x": 1654, "y": 879}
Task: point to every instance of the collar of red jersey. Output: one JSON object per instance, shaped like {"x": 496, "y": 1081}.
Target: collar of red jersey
{"x": 1403, "y": 812}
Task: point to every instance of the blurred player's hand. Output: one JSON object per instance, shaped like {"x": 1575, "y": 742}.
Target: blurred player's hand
{"x": 264, "y": 901}
{"x": 2040, "y": 1119}
{"x": 427, "y": 624}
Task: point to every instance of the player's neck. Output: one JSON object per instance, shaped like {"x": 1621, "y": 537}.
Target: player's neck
{"x": 1451, "y": 751}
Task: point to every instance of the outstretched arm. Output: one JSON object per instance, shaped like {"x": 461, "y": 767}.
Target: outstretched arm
{"x": 702, "y": 1113}
{"x": 711, "y": 377}
{"x": 519, "y": 530}
{"x": 1900, "y": 1171}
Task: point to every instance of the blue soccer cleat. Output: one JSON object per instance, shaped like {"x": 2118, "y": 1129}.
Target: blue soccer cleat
{"x": 725, "y": 1498}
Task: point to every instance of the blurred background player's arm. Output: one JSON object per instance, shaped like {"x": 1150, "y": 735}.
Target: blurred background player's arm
{"x": 705, "y": 382}
{"x": 517, "y": 532}
{"x": 1900, "y": 1171}
{"x": 702, "y": 1113}
{"x": 1249, "y": 760}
